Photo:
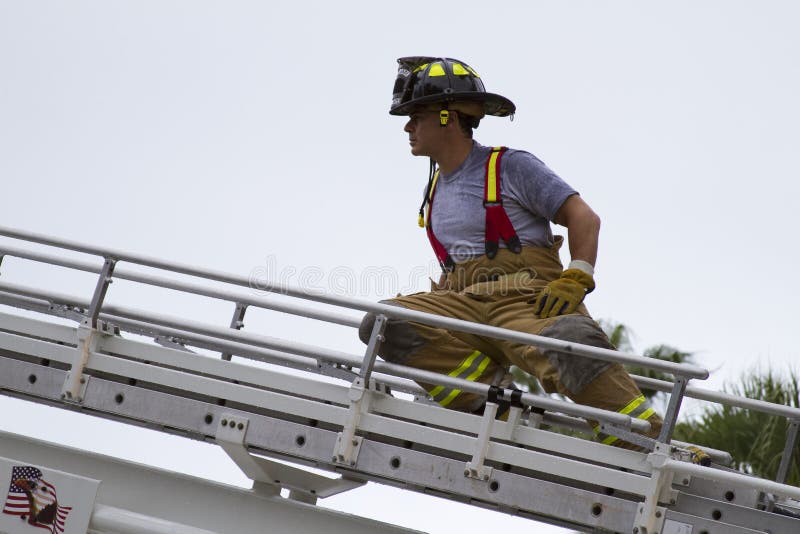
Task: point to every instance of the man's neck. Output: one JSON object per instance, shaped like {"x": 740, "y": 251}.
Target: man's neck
{"x": 453, "y": 155}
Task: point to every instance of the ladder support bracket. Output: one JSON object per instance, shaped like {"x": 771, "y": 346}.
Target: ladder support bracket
{"x": 105, "y": 279}
{"x": 75, "y": 395}
{"x": 172, "y": 342}
{"x": 347, "y": 443}
{"x": 230, "y": 435}
{"x": 649, "y": 521}
{"x": 67, "y": 311}
{"x": 335, "y": 370}
{"x": 475, "y": 468}
{"x": 269, "y": 476}
{"x": 75, "y": 384}
{"x": 514, "y": 420}
{"x": 650, "y": 516}
{"x": 673, "y": 408}
{"x": 237, "y": 323}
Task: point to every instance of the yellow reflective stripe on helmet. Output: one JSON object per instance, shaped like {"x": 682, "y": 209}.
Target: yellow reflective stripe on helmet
{"x": 436, "y": 70}
{"x": 470, "y": 369}
{"x": 491, "y": 175}
{"x": 421, "y": 67}
{"x": 459, "y": 70}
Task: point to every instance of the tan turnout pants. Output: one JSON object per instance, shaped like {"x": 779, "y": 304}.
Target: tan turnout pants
{"x": 499, "y": 292}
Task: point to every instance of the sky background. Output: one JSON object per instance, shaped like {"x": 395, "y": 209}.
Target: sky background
{"x": 253, "y": 137}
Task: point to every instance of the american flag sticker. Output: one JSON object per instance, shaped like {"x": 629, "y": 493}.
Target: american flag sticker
{"x": 34, "y": 500}
{"x": 40, "y": 501}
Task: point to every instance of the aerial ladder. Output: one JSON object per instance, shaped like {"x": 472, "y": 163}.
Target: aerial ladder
{"x": 279, "y": 406}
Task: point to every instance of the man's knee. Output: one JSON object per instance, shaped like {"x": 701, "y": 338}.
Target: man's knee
{"x": 401, "y": 340}
{"x": 574, "y": 371}
{"x": 368, "y": 322}
{"x": 366, "y": 326}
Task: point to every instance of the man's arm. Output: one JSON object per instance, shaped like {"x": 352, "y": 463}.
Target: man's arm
{"x": 564, "y": 294}
{"x": 583, "y": 227}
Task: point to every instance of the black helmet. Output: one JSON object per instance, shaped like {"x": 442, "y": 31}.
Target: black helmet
{"x": 428, "y": 80}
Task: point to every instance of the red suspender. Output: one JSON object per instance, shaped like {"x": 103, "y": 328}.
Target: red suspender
{"x": 498, "y": 225}
{"x": 497, "y": 222}
{"x": 442, "y": 255}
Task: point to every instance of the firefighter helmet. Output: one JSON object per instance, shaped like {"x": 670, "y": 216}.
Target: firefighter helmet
{"x": 430, "y": 80}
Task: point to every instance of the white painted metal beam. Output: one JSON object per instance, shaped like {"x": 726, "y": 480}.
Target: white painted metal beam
{"x": 134, "y": 499}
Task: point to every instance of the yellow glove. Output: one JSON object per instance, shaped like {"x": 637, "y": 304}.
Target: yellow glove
{"x": 563, "y": 295}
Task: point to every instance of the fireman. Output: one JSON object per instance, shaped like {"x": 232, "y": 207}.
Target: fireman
{"x": 487, "y": 212}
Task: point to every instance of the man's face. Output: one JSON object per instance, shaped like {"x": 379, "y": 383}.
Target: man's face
{"x": 425, "y": 134}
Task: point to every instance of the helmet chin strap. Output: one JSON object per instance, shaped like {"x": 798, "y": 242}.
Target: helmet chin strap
{"x": 431, "y": 173}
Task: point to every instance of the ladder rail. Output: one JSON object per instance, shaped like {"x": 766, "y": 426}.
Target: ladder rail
{"x": 265, "y": 355}
{"x": 679, "y": 370}
{"x": 720, "y": 397}
{"x": 689, "y": 371}
{"x": 335, "y": 318}
{"x": 169, "y": 370}
{"x": 575, "y": 424}
{"x": 171, "y": 326}
{"x": 187, "y": 287}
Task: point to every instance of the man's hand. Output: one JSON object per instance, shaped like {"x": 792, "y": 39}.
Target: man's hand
{"x": 563, "y": 295}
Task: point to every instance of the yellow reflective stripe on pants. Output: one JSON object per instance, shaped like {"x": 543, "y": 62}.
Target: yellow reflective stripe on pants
{"x": 638, "y": 408}
{"x": 470, "y": 369}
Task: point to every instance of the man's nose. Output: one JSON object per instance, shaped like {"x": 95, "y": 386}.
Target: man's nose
{"x": 409, "y": 126}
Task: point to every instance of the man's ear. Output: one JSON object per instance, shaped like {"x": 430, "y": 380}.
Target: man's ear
{"x": 455, "y": 123}
{"x": 455, "y": 119}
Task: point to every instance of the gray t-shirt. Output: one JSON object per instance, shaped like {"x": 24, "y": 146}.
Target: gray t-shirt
{"x": 531, "y": 193}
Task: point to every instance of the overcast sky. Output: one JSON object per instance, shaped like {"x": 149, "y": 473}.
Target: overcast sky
{"x": 252, "y": 137}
